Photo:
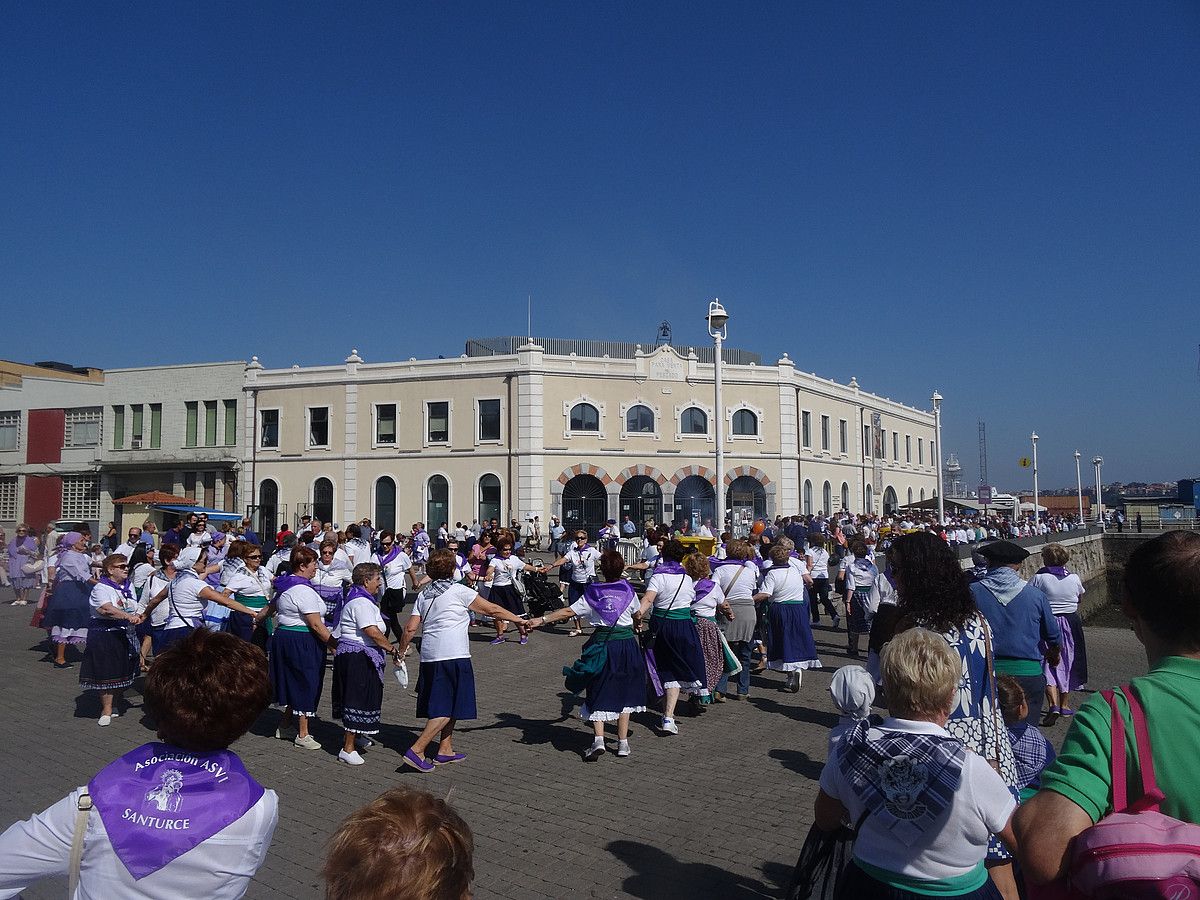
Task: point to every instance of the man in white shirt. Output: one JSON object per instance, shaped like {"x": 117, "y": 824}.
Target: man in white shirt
{"x": 133, "y": 539}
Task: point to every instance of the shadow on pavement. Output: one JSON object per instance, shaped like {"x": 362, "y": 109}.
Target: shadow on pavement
{"x": 799, "y": 762}
{"x": 658, "y": 874}
{"x": 797, "y": 713}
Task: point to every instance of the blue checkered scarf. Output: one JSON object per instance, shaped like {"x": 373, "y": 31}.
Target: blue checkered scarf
{"x": 905, "y": 780}
{"x": 1032, "y": 753}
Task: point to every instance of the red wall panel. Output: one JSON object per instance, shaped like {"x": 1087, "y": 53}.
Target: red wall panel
{"x": 43, "y": 500}
{"x": 47, "y": 431}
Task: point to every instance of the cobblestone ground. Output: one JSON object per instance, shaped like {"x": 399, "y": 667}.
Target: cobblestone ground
{"x": 718, "y": 811}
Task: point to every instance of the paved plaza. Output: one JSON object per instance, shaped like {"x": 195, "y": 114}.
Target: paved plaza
{"x": 718, "y": 811}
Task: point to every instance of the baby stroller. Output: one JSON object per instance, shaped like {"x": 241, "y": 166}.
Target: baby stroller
{"x": 541, "y": 595}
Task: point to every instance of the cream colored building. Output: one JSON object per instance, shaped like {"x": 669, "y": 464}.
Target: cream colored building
{"x": 585, "y": 437}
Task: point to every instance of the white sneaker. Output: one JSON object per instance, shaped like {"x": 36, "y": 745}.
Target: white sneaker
{"x": 308, "y": 742}
{"x": 362, "y": 742}
{"x": 105, "y": 720}
{"x": 594, "y": 752}
{"x": 669, "y": 727}
{"x": 114, "y": 714}
{"x": 623, "y": 749}
{"x": 351, "y": 759}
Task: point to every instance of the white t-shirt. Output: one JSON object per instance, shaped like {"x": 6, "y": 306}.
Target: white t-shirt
{"x": 651, "y": 555}
{"x": 856, "y": 578}
{"x": 820, "y": 562}
{"x": 220, "y": 868}
{"x": 783, "y": 584}
{"x": 393, "y": 572}
{"x": 185, "y": 605}
{"x": 103, "y": 593}
{"x": 506, "y": 570}
{"x": 358, "y": 614}
{"x": 278, "y": 558}
{"x": 951, "y": 848}
{"x": 799, "y": 563}
{"x": 735, "y": 587}
{"x": 583, "y": 563}
{"x": 707, "y": 605}
{"x": 140, "y": 574}
{"x": 331, "y": 575}
{"x": 251, "y": 584}
{"x": 1063, "y": 593}
{"x": 673, "y": 591}
{"x": 581, "y": 608}
{"x": 444, "y": 621}
{"x": 155, "y": 583}
{"x": 357, "y": 551}
{"x": 297, "y": 601}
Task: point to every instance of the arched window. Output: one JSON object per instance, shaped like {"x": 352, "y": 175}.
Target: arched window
{"x": 870, "y": 500}
{"x": 322, "y": 501}
{"x": 385, "y": 504}
{"x": 268, "y": 508}
{"x": 639, "y": 420}
{"x": 910, "y": 496}
{"x": 693, "y": 420}
{"x": 437, "y": 501}
{"x": 922, "y": 493}
{"x": 808, "y": 510}
{"x": 489, "y": 498}
{"x": 745, "y": 423}
{"x": 585, "y": 417}
{"x": 845, "y": 497}
{"x": 827, "y": 499}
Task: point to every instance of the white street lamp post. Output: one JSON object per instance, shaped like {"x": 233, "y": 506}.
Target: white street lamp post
{"x": 1079, "y": 486}
{"x": 1034, "y": 438}
{"x": 937, "y": 457}
{"x": 1098, "y": 461}
{"x": 717, "y": 319}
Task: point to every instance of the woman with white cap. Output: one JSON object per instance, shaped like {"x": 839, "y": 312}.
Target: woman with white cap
{"x": 68, "y": 612}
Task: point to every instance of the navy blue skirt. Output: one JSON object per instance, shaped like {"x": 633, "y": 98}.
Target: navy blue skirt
{"x": 68, "y": 606}
{"x": 111, "y": 660}
{"x": 446, "y": 688}
{"x": 678, "y": 655}
{"x": 620, "y": 687}
{"x": 790, "y": 646}
{"x": 166, "y": 638}
{"x": 297, "y": 668}
{"x": 509, "y": 597}
{"x": 357, "y": 692}
{"x": 243, "y": 626}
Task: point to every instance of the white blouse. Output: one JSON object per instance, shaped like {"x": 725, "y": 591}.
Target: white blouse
{"x": 358, "y": 615}
{"x": 294, "y": 603}
{"x": 673, "y": 591}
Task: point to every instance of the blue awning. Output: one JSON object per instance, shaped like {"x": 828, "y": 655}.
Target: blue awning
{"x": 214, "y": 514}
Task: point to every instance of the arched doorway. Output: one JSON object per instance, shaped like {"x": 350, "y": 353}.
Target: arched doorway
{"x": 642, "y": 501}
{"x": 585, "y": 504}
{"x": 268, "y": 510}
{"x": 437, "y": 501}
{"x": 322, "y": 500}
{"x": 385, "y": 504}
{"x": 695, "y": 501}
{"x": 890, "y": 501}
{"x": 747, "y": 501}
{"x": 489, "y": 498}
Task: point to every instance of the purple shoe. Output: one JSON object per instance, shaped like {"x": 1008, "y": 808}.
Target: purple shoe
{"x": 423, "y": 766}
{"x": 445, "y": 760}
{"x": 498, "y": 640}
{"x": 524, "y": 639}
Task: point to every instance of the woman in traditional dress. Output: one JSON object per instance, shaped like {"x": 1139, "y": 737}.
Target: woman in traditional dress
{"x": 68, "y": 612}
{"x": 358, "y": 663}
{"x": 394, "y": 564}
{"x": 23, "y": 552}
{"x": 503, "y": 571}
{"x": 710, "y": 600}
{"x": 111, "y": 659}
{"x": 187, "y": 597}
{"x": 446, "y": 683}
{"x": 333, "y": 575}
{"x": 251, "y": 587}
{"x": 676, "y": 655}
{"x": 859, "y": 573}
{"x": 611, "y": 669}
{"x": 1063, "y": 589}
{"x": 737, "y": 576}
{"x": 790, "y": 647}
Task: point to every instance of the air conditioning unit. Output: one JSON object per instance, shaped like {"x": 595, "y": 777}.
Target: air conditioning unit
{"x": 135, "y": 443}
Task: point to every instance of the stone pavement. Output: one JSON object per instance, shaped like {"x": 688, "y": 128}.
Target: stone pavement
{"x": 718, "y": 811}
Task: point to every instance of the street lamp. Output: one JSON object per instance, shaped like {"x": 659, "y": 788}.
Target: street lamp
{"x": 717, "y": 319}
{"x": 937, "y": 456}
{"x": 1098, "y": 461}
{"x": 1034, "y": 438}
{"x": 1079, "y": 486}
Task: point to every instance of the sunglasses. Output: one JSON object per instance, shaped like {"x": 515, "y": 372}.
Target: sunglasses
{"x": 254, "y": 556}
{"x": 118, "y": 566}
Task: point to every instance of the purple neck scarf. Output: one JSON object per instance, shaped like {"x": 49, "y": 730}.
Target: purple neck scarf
{"x": 355, "y": 591}
{"x": 1059, "y": 572}
{"x": 158, "y": 802}
{"x": 124, "y": 587}
{"x": 283, "y": 582}
{"x": 391, "y": 554}
{"x": 714, "y": 563}
{"x": 609, "y": 599}
{"x": 703, "y": 588}
{"x": 667, "y": 567}
{"x": 16, "y": 545}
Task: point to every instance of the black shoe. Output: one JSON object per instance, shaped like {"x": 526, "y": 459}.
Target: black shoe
{"x": 65, "y": 665}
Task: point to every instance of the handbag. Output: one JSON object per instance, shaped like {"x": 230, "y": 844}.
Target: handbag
{"x": 32, "y": 567}
{"x": 824, "y": 858}
{"x": 81, "y": 817}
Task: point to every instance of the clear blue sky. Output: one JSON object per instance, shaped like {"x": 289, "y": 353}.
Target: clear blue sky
{"x": 1001, "y": 202}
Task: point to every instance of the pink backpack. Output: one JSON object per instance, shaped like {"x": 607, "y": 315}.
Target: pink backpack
{"x": 1137, "y": 852}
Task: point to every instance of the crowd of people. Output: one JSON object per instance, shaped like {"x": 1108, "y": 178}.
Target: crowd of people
{"x": 968, "y": 662}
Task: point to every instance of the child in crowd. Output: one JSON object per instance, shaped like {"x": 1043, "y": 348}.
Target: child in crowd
{"x": 1032, "y": 752}
{"x": 853, "y": 691}
{"x": 403, "y": 845}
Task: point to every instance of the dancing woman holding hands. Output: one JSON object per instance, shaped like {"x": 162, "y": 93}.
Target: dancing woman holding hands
{"x": 612, "y": 668}
{"x": 111, "y": 660}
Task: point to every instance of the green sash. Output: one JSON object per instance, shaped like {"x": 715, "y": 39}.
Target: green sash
{"x": 593, "y": 658}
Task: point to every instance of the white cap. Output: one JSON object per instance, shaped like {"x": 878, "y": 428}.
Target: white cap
{"x": 187, "y": 558}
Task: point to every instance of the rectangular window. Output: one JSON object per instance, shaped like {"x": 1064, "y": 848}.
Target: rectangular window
{"x": 825, "y": 433}
{"x": 895, "y": 446}
{"x": 230, "y": 423}
{"x": 921, "y": 451}
{"x": 489, "y": 420}
{"x": 210, "y": 423}
{"x": 268, "y": 429}
{"x": 318, "y": 427}
{"x": 81, "y": 497}
{"x": 83, "y": 428}
{"x": 866, "y": 442}
{"x": 10, "y": 431}
{"x": 189, "y": 485}
{"x": 137, "y": 415}
{"x": 438, "y": 418}
{"x": 385, "y": 423}
{"x": 193, "y": 413}
{"x": 8, "y": 498}
{"x": 118, "y": 427}
{"x": 805, "y": 429}
{"x": 210, "y": 489}
{"x": 155, "y": 426}
{"x": 843, "y": 436}
{"x": 908, "y": 448}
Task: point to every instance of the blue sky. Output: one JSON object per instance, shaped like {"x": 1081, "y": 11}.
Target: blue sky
{"x": 1001, "y": 202}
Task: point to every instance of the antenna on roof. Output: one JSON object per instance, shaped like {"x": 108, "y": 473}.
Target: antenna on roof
{"x": 529, "y": 318}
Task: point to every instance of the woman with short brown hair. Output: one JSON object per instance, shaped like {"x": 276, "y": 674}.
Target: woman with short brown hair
{"x": 111, "y": 660}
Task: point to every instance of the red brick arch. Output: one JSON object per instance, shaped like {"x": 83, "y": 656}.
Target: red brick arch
{"x": 703, "y": 471}
{"x": 634, "y": 471}
{"x": 584, "y": 469}
{"x": 757, "y": 474}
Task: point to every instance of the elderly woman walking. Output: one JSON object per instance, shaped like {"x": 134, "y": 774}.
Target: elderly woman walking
{"x": 925, "y": 806}
{"x": 737, "y": 576}
{"x": 24, "y": 565}
{"x": 67, "y": 611}
{"x": 1063, "y": 589}
{"x": 790, "y": 647}
{"x": 111, "y": 660}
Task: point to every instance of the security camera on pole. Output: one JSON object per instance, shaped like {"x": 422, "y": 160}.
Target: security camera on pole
{"x": 717, "y": 317}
